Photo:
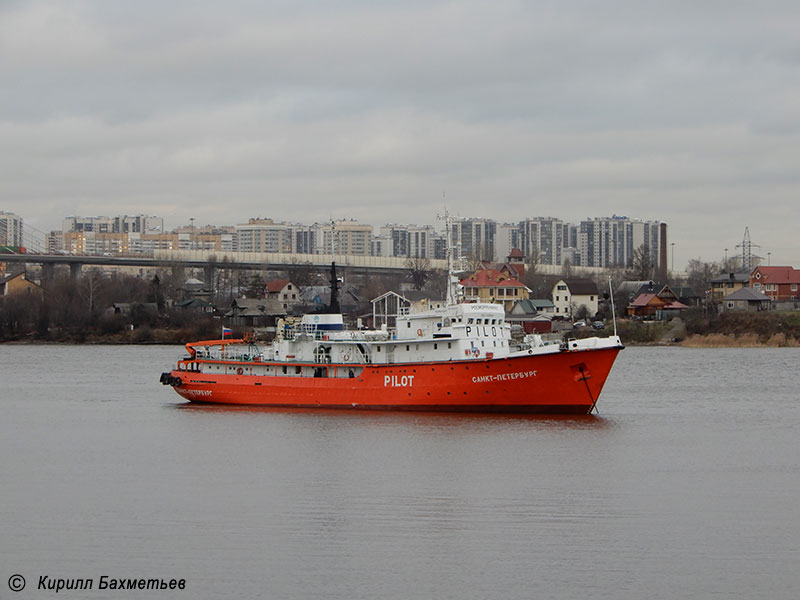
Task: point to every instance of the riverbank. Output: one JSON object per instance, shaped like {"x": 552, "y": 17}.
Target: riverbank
{"x": 728, "y": 330}
{"x": 747, "y": 340}
{"x": 140, "y": 335}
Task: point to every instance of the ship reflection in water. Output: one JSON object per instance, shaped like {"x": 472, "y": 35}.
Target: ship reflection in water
{"x": 367, "y": 417}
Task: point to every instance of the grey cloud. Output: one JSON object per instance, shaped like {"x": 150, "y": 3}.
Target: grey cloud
{"x": 680, "y": 111}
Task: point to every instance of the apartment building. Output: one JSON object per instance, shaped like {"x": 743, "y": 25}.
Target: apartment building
{"x": 474, "y": 238}
{"x": 343, "y": 237}
{"x": 10, "y": 229}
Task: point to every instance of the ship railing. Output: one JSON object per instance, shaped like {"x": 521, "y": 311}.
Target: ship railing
{"x": 292, "y": 334}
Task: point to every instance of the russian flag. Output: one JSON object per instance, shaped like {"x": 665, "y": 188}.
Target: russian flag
{"x": 226, "y": 332}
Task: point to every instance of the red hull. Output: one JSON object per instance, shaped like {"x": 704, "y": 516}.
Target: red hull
{"x": 563, "y": 382}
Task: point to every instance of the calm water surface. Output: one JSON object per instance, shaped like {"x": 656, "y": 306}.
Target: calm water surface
{"x": 687, "y": 485}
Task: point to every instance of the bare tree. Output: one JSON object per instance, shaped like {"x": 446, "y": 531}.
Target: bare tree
{"x": 90, "y": 288}
{"x": 471, "y": 262}
{"x": 731, "y": 264}
{"x": 566, "y": 268}
{"x": 699, "y": 275}
{"x": 301, "y": 273}
{"x": 437, "y": 284}
{"x": 532, "y": 263}
{"x": 642, "y": 265}
{"x": 255, "y": 286}
{"x": 419, "y": 271}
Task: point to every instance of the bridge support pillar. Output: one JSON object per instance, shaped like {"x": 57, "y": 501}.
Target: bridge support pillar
{"x": 75, "y": 270}
{"x": 179, "y": 273}
{"x": 209, "y": 272}
{"x": 48, "y": 271}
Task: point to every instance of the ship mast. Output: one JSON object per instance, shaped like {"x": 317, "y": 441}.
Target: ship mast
{"x": 333, "y": 306}
{"x": 452, "y": 280}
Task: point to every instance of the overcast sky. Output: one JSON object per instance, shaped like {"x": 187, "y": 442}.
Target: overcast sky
{"x": 682, "y": 111}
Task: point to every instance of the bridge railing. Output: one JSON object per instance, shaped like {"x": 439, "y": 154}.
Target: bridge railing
{"x": 286, "y": 259}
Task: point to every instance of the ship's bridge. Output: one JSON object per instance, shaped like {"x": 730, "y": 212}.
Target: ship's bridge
{"x": 455, "y": 321}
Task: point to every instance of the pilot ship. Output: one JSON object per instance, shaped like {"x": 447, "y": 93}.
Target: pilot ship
{"x": 460, "y": 357}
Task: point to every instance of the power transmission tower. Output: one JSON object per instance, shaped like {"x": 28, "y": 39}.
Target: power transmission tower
{"x": 747, "y": 251}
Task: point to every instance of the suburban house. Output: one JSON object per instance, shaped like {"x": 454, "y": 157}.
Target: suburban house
{"x": 659, "y": 304}
{"x": 196, "y": 304}
{"x": 194, "y": 288}
{"x": 526, "y": 314}
{"x": 494, "y": 286}
{"x": 255, "y": 312}
{"x": 543, "y": 305}
{"x": 570, "y": 295}
{"x": 687, "y": 295}
{"x": 746, "y": 299}
{"x": 517, "y": 258}
{"x": 284, "y": 291}
{"x": 126, "y": 309}
{"x": 19, "y": 284}
{"x": 630, "y": 289}
{"x": 514, "y": 266}
{"x": 777, "y": 283}
{"x": 727, "y": 283}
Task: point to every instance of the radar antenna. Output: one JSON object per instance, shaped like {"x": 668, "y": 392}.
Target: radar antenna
{"x": 452, "y": 280}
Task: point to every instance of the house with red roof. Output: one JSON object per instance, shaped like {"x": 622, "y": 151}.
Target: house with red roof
{"x": 509, "y": 269}
{"x": 655, "y": 304}
{"x": 284, "y": 291}
{"x": 779, "y": 284}
{"x": 494, "y": 287}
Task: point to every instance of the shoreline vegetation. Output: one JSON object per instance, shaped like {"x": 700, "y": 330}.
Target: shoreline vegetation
{"x": 747, "y": 340}
{"x": 122, "y": 309}
{"x": 726, "y": 330}
{"x": 730, "y": 330}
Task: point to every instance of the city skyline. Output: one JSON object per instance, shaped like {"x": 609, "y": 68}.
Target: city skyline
{"x": 602, "y": 242}
{"x": 595, "y": 241}
{"x": 388, "y": 112}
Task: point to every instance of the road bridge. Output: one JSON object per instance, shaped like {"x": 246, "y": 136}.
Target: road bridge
{"x": 210, "y": 261}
